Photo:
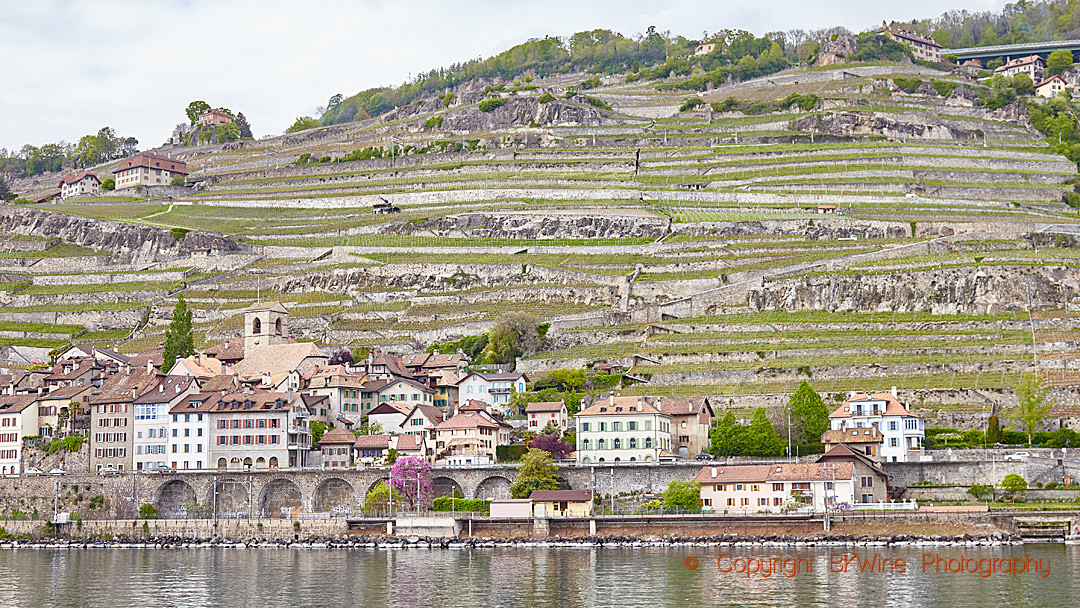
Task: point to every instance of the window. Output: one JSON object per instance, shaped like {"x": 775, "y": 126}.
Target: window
{"x": 631, "y": 426}
{"x": 763, "y": 502}
{"x": 893, "y": 442}
{"x": 616, "y": 426}
{"x": 603, "y": 427}
{"x": 867, "y": 482}
{"x": 584, "y": 444}
{"x": 648, "y": 425}
{"x": 738, "y": 487}
{"x": 755, "y": 488}
{"x": 778, "y": 487}
{"x": 745, "y": 502}
{"x": 648, "y": 442}
{"x": 633, "y": 443}
{"x": 585, "y": 427}
{"x": 600, "y": 445}
{"x": 893, "y": 426}
{"x": 616, "y": 443}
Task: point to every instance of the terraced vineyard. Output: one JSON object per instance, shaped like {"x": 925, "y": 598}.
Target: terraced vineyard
{"x": 881, "y": 238}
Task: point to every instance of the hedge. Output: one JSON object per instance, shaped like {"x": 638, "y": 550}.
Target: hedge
{"x": 446, "y": 503}
{"x": 510, "y": 453}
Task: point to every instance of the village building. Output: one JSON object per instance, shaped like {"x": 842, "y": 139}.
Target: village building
{"x": 112, "y": 418}
{"x": 496, "y": 389}
{"x": 84, "y": 183}
{"x": 1033, "y": 66}
{"x": 151, "y": 421}
{"x": 197, "y": 366}
{"x": 189, "y": 432}
{"x": 470, "y": 438}
{"x": 371, "y": 450}
{"x": 923, "y": 48}
{"x": 561, "y": 503}
{"x": 255, "y": 429}
{"x": 902, "y": 432}
{"x": 691, "y": 419}
{"x": 413, "y": 445}
{"x": 213, "y": 117}
{"x": 269, "y": 355}
{"x": 541, "y": 413}
{"x": 622, "y": 429}
{"x": 390, "y": 416}
{"x": 148, "y": 169}
{"x": 342, "y": 389}
{"x": 18, "y": 419}
{"x": 61, "y": 410}
{"x": 336, "y": 448}
{"x": 1052, "y": 86}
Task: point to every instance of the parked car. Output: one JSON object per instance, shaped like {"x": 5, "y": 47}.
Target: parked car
{"x": 58, "y": 471}
{"x": 1017, "y": 456}
{"x": 157, "y": 467}
{"x": 108, "y": 470}
{"x": 33, "y": 471}
{"x": 706, "y": 457}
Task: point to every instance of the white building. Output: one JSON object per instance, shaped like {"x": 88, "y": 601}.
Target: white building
{"x": 189, "y": 432}
{"x": 622, "y": 429}
{"x": 493, "y": 389}
{"x": 80, "y": 184}
{"x": 151, "y": 424}
{"x": 542, "y": 413}
{"x": 259, "y": 430}
{"x": 901, "y": 430}
{"x": 18, "y": 419}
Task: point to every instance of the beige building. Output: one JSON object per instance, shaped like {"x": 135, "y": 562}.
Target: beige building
{"x": 80, "y": 184}
{"x": 470, "y": 438}
{"x": 561, "y": 503}
{"x": 18, "y": 419}
{"x": 57, "y": 415}
{"x": 148, "y": 169}
{"x": 839, "y": 476}
{"x": 1052, "y": 87}
{"x": 541, "y": 413}
{"x": 112, "y": 418}
{"x": 622, "y": 429}
{"x": 1032, "y": 65}
{"x": 257, "y": 429}
{"x": 336, "y": 446}
{"x": 691, "y": 419}
{"x": 922, "y": 47}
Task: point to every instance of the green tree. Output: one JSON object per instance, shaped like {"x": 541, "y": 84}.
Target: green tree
{"x": 1033, "y": 404}
{"x": 761, "y": 438}
{"x": 302, "y": 123}
{"x": 108, "y": 184}
{"x": 1013, "y": 483}
{"x": 1023, "y": 85}
{"x": 377, "y": 501}
{"x": 683, "y": 495}
{"x": 179, "y": 180}
{"x": 537, "y": 472}
{"x": 318, "y": 428}
{"x": 993, "y": 430}
{"x": 179, "y": 338}
{"x": 514, "y": 335}
{"x": 728, "y": 437}
{"x": 194, "y": 109}
{"x": 1059, "y": 61}
{"x": 227, "y": 132}
{"x": 809, "y": 414}
{"x": 242, "y": 124}
{"x": 5, "y": 192}
{"x": 148, "y": 511}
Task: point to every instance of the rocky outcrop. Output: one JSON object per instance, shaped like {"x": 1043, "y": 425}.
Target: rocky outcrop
{"x": 127, "y": 242}
{"x": 834, "y": 52}
{"x": 534, "y": 226}
{"x": 948, "y": 291}
{"x": 871, "y": 123}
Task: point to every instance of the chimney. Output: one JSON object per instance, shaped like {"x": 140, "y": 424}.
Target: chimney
{"x": 149, "y": 366}
{"x": 160, "y": 388}
{"x": 198, "y": 359}
{"x": 714, "y": 472}
{"x": 893, "y": 391}
{"x": 611, "y": 399}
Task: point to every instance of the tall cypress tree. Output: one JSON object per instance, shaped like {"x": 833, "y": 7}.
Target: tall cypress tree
{"x": 5, "y": 191}
{"x": 242, "y": 124}
{"x": 179, "y": 338}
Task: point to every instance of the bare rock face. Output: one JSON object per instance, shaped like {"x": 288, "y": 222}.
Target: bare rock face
{"x": 1015, "y": 112}
{"x": 836, "y": 51}
{"x": 963, "y": 96}
{"x": 535, "y": 226}
{"x": 870, "y": 123}
{"x": 128, "y": 242}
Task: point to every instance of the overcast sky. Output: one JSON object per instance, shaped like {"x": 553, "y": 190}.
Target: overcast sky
{"x": 71, "y": 67}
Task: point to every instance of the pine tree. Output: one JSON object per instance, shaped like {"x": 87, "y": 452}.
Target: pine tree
{"x": 242, "y": 124}
{"x": 5, "y": 191}
{"x": 179, "y": 339}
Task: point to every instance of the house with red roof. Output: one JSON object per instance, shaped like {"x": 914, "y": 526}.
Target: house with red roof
{"x": 148, "y": 169}
{"x": 901, "y": 431}
{"x": 84, "y": 183}
{"x": 691, "y": 419}
{"x": 1032, "y": 65}
{"x": 541, "y": 413}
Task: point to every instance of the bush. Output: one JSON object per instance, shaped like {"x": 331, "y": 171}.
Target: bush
{"x": 1014, "y": 483}
{"x": 178, "y": 234}
{"x": 691, "y": 103}
{"x": 980, "y": 491}
{"x": 148, "y": 511}
{"x": 446, "y": 503}
{"x": 943, "y": 87}
{"x": 108, "y": 184}
{"x": 591, "y": 83}
{"x": 907, "y": 84}
{"x": 179, "y": 180}
{"x": 433, "y": 123}
{"x": 510, "y": 453}
{"x": 489, "y": 105}
{"x": 596, "y": 103}
{"x": 546, "y": 98}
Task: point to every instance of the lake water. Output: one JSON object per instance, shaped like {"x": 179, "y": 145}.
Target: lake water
{"x": 547, "y": 577}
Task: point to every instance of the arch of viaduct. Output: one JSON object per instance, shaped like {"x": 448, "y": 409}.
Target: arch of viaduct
{"x": 271, "y": 493}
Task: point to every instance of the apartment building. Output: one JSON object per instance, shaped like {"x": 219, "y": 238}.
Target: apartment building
{"x": 259, "y": 429}
{"x": 623, "y": 429}
{"x": 188, "y": 445}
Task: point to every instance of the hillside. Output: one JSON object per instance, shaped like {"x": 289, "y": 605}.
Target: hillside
{"x": 876, "y": 237}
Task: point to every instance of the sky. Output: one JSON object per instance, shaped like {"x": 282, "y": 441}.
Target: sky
{"x": 75, "y": 66}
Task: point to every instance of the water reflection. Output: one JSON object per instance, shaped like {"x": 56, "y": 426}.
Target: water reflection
{"x": 492, "y": 577}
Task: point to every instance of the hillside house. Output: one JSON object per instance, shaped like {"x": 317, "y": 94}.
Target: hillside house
{"x": 540, "y": 413}
{"x": 84, "y": 183}
{"x": 470, "y": 438}
{"x": 1032, "y": 65}
{"x": 336, "y": 447}
{"x": 148, "y": 169}
{"x": 691, "y": 419}
{"x": 495, "y": 389}
{"x": 57, "y": 414}
{"x": 902, "y": 432}
{"x": 922, "y": 47}
{"x": 212, "y": 118}
{"x": 1052, "y": 86}
{"x": 112, "y": 418}
{"x": 370, "y": 450}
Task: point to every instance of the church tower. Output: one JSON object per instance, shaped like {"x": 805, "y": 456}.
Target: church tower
{"x": 265, "y": 324}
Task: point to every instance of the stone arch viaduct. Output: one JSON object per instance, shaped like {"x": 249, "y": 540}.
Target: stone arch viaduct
{"x": 271, "y": 493}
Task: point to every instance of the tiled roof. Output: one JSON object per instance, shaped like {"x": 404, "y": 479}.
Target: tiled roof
{"x": 561, "y": 495}
{"x": 220, "y": 383}
{"x": 767, "y": 473}
{"x": 12, "y": 404}
{"x": 66, "y": 392}
{"x": 681, "y": 406}
{"x": 255, "y": 401}
{"x": 1051, "y": 79}
{"x": 372, "y": 442}
{"x": 125, "y": 386}
{"x": 78, "y": 177}
{"x": 337, "y": 436}
{"x": 852, "y": 435}
{"x": 390, "y": 407}
{"x": 276, "y": 359}
{"x": 892, "y": 406}
{"x": 165, "y": 389}
{"x": 1019, "y": 62}
{"x": 229, "y": 350}
{"x": 154, "y": 355}
{"x": 620, "y": 406}
{"x": 152, "y": 161}
{"x": 408, "y": 442}
{"x": 544, "y": 406}
{"x": 433, "y": 414}
{"x": 197, "y": 402}
{"x": 467, "y": 420}
{"x": 278, "y": 306}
